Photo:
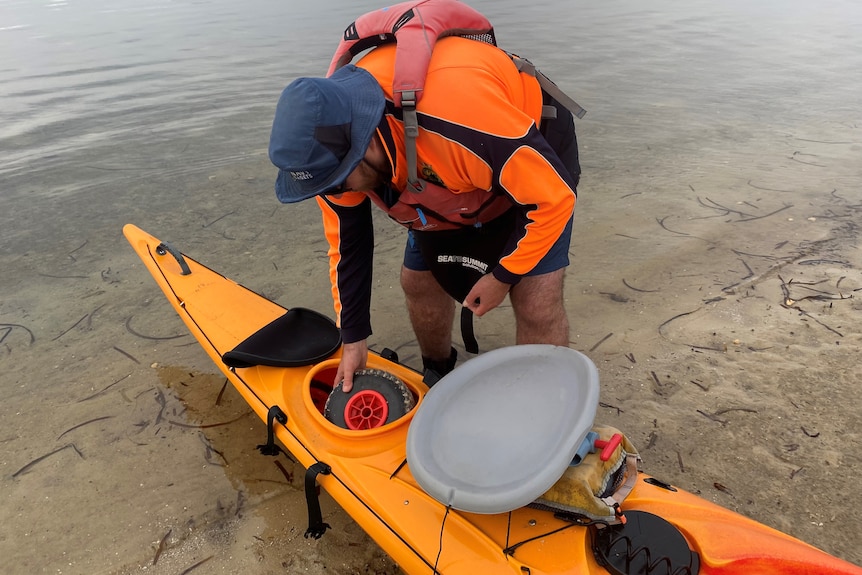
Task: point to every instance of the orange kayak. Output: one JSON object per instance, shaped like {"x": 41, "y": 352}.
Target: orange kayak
{"x": 365, "y": 470}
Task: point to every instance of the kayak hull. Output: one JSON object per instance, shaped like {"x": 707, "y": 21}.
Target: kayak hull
{"x": 369, "y": 478}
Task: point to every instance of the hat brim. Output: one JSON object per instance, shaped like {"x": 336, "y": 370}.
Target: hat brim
{"x": 366, "y": 103}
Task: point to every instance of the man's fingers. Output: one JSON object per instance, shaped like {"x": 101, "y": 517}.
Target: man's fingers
{"x": 347, "y": 383}
{"x": 354, "y": 357}
{"x": 342, "y": 376}
{"x": 472, "y": 303}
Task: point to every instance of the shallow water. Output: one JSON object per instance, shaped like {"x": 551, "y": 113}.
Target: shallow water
{"x": 110, "y": 85}
{"x": 703, "y": 117}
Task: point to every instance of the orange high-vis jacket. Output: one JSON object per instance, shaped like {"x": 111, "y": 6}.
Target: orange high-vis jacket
{"x": 478, "y": 134}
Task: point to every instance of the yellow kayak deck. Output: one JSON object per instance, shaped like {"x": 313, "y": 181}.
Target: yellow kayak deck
{"x": 369, "y": 478}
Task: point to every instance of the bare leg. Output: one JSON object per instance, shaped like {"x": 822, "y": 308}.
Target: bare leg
{"x": 540, "y": 313}
{"x": 431, "y": 312}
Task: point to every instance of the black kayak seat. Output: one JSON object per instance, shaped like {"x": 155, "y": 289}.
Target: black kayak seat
{"x": 299, "y": 337}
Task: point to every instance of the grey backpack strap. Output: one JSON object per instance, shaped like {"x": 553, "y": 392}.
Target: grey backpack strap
{"x": 411, "y": 132}
{"x": 548, "y": 86}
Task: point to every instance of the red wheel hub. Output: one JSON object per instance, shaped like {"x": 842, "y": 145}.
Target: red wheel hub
{"x": 367, "y": 409}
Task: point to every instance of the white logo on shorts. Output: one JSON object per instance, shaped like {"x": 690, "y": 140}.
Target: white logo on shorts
{"x": 465, "y": 261}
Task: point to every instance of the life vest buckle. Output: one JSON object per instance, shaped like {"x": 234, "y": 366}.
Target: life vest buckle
{"x": 408, "y": 99}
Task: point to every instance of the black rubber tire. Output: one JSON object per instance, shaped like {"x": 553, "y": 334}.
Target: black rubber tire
{"x": 397, "y": 396}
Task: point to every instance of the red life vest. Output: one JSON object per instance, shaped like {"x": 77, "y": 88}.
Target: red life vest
{"x": 438, "y": 208}
{"x": 415, "y": 26}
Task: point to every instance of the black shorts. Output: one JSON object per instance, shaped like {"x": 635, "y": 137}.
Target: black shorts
{"x": 458, "y": 258}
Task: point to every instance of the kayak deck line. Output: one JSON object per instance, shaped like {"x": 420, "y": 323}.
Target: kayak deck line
{"x": 371, "y": 479}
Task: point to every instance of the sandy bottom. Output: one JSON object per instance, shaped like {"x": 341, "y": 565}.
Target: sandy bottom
{"x": 717, "y": 286}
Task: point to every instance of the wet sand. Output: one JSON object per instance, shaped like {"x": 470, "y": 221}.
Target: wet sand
{"x": 716, "y": 280}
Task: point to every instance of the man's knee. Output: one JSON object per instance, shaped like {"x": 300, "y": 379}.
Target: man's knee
{"x": 539, "y": 318}
{"x": 421, "y": 285}
{"x": 540, "y": 311}
{"x": 412, "y": 281}
{"x": 539, "y": 294}
{"x": 538, "y": 299}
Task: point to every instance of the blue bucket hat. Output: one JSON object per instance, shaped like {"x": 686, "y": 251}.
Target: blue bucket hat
{"x": 321, "y": 131}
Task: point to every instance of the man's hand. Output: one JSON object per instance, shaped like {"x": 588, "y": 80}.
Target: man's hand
{"x": 487, "y": 294}
{"x": 354, "y": 356}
